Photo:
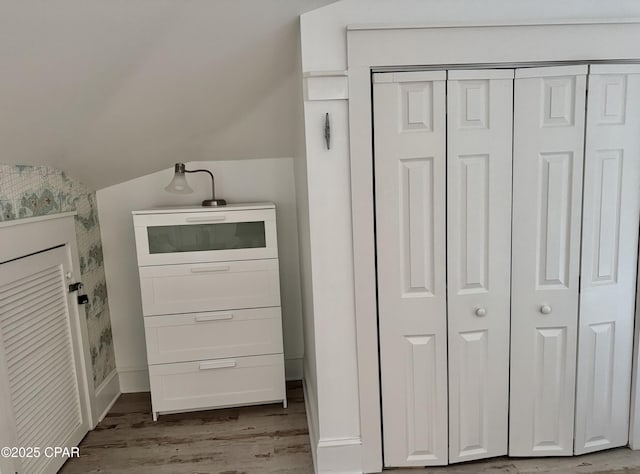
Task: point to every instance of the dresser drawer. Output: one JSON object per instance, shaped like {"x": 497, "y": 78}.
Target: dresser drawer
{"x": 195, "y": 336}
{"x": 211, "y": 235}
{"x": 171, "y": 289}
{"x": 217, "y": 383}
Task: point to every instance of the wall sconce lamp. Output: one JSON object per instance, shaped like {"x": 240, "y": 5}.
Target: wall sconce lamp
{"x": 179, "y": 185}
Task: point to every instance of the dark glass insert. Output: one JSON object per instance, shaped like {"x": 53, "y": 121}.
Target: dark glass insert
{"x": 204, "y": 237}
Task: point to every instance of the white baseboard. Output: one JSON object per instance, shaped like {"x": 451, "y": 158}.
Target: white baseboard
{"x": 309, "y": 407}
{"x": 293, "y": 369}
{"x": 105, "y": 396}
{"x": 340, "y": 455}
{"x": 330, "y": 455}
{"x": 134, "y": 379}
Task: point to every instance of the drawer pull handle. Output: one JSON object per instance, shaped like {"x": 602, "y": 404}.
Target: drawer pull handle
{"x": 214, "y": 317}
{"x": 226, "y": 268}
{"x": 217, "y": 365}
{"x": 206, "y": 219}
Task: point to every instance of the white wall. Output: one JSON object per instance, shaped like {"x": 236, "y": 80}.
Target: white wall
{"x": 112, "y": 90}
{"x": 236, "y": 181}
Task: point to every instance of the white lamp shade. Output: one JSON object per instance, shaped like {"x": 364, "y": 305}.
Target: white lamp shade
{"x": 179, "y": 184}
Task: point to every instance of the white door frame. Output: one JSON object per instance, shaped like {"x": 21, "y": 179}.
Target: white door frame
{"x": 32, "y": 235}
{"x": 399, "y": 46}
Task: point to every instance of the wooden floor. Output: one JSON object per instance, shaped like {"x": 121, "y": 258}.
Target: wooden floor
{"x": 263, "y": 440}
{"x": 260, "y": 439}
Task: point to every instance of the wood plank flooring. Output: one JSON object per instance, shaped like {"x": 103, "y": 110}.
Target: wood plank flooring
{"x": 258, "y": 439}
{"x": 264, "y": 439}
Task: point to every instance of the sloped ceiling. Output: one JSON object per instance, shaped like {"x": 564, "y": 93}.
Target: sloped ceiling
{"x": 109, "y": 90}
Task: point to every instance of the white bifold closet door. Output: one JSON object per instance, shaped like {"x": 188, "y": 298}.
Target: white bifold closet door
{"x": 479, "y": 132}
{"x": 409, "y": 129}
{"x": 609, "y": 257}
{"x": 549, "y": 108}
{"x": 412, "y": 167}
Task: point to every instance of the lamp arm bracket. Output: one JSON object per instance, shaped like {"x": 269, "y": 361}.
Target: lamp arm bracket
{"x": 213, "y": 185}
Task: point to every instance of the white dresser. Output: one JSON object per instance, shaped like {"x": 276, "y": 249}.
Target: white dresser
{"x": 211, "y": 303}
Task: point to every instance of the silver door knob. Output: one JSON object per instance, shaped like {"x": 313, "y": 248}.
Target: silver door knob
{"x": 481, "y": 311}
{"x": 545, "y": 309}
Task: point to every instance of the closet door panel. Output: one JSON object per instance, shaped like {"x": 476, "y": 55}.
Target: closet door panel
{"x": 609, "y": 257}
{"x": 547, "y": 181}
{"x": 409, "y": 134}
{"x": 479, "y": 156}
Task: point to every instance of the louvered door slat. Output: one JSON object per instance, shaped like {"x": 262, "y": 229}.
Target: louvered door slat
{"x": 17, "y": 329}
{"x": 26, "y": 307}
{"x": 40, "y": 343}
{"x": 55, "y": 435}
{"x": 17, "y": 340}
{"x": 37, "y": 358}
{"x": 40, "y": 285}
{"x": 35, "y": 280}
{"x": 50, "y": 380}
{"x": 39, "y": 353}
{"x": 47, "y": 414}
{"x": 19, "y": 382}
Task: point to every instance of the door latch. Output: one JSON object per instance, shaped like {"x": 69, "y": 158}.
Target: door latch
{"x": 77, "y": 286}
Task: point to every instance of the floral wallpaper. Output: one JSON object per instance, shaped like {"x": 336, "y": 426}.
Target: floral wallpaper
{"x": 28, "y": 191}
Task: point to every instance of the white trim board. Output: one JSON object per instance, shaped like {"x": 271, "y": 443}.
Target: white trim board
{"x": 330, "y": 454}
{"x": 31, "y": 220}
{"x": 492, "y": 44}
{"x": 107, "y": 393}
{"x": 340, "y": 455}
{"x": 311, "y": 422}
{"x": 468, "y": 24}
{"x": 35, "y": 234}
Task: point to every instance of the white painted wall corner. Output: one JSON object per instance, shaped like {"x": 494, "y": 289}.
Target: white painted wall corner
{"x": 293, "y": 369}
{"x": 134, "y": 379}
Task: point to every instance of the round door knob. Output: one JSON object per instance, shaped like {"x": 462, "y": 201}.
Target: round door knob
{"x": 481, "y": 312}
{"x": 545, "y": 309}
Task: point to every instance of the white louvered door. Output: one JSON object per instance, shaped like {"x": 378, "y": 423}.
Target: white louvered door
{"x": 39, "y": 367}
{"x": 609, "y": 257}
{"x": 480, "y": 109}
{"x": 548, "y": 139}
{"x": 409, "y": 117}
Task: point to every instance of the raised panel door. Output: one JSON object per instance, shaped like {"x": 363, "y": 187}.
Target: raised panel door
{"x": 549, "y": 109}
{"x": 409, "y": 123}
{"x": 479, "y": 157}
{"x": 609, "y": 257}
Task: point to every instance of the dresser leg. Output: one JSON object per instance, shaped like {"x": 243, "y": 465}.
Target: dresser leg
{"x": 155, "y": 416}
{"x": 284, "y": 403}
